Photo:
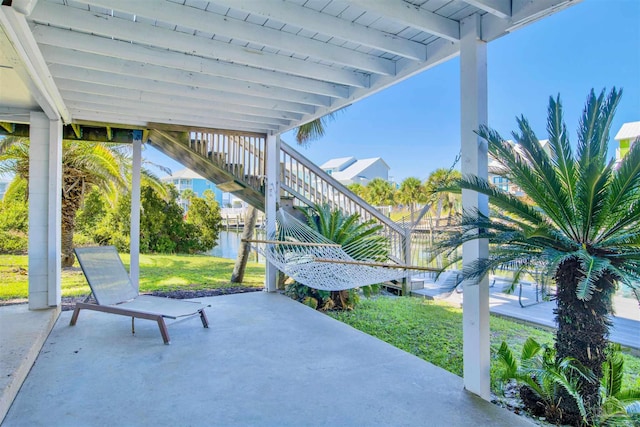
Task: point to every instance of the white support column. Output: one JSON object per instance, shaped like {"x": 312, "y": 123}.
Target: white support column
{"x": 272, "y": 197}
{"x": 473, "y": 106}
{"x": 134, "y": 248}
{"x": 45, "y": 201}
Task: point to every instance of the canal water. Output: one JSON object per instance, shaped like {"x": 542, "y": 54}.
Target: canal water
{"x": 229, "y": 244}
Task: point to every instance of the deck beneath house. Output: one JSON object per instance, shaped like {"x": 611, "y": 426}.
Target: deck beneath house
{"x": 266, "y": 360}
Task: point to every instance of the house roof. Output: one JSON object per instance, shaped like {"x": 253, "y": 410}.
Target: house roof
{"x": 250, "y": 66}
{"x": 182, "y": 174}
{"x": 357, "y": 168}
{"x": 628, "y": 130}
{"x": 337, "y": 163}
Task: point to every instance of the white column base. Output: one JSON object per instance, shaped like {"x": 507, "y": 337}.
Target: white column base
{"x": 45, "y": 201}
{"x": 272, "y": 198}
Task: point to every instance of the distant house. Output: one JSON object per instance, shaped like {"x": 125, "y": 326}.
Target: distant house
{"x": 187, "y": 179}
{"x": 502, "y": 181}
{"x": 628, "y": 133}
{"x": 349, "y": 170}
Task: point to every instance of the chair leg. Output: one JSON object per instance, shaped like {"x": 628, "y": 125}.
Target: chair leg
{"x": 203, "y": 317}
{"x": 74, "y": 318}
{"x": 163, "y": 330}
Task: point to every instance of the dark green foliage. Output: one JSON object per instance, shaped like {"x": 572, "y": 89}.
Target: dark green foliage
{"x": 204, "y": 213}
{"x": 545, "y": 380}
{"x": 14, "y": 208}
{"x": 162, "y": 226}
{"x": 94, "y": 208}
{"x": 620, "y": 407}
{"x": 13, "y": 242}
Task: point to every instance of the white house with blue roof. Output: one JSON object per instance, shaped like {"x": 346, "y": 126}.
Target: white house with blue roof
{"x": 349, "y": 170}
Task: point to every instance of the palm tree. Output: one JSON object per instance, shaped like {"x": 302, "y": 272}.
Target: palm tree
{"x": 410, "y": 193}
{"x": 438, "y": 179}
{"x": 352, "y": 234}
{"x": 584, "y": 227}
{"x": 358, "y": 189}
{"x": 83, "y": 166}
{"x": 379, "y": 192}
{"x": 313, "y": 130}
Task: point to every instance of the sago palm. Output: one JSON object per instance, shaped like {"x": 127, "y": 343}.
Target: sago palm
{"x": 359, "y": 239}
{"x": 581, "y": 221}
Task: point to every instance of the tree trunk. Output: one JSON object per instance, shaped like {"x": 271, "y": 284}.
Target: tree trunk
{"x": 72, "y": 192}
{"x": 243, "y": 253}
{"x": 583, "y": 331}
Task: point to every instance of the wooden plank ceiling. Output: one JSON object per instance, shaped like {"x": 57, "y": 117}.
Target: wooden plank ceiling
{"x": 249, "y": 65}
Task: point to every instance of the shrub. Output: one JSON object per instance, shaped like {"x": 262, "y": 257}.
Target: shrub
{"x": 13, "y": 242}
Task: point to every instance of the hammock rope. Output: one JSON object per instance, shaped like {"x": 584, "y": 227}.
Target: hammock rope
{"x": 315, "y": 261}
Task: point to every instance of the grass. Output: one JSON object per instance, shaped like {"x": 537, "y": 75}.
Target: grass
{"x": 157, "y": 273}
{"x": 433, "y": 331}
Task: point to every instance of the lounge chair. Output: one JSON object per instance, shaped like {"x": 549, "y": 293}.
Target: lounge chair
{"x": 442, "y": 287}
{"x": 112, "y": 289}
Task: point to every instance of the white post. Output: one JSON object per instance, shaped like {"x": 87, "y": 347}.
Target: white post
{"x": 272, "y": 196}
{"x": 473, "y": 93}
{"x": 134, "y": 244}
{"x": 45, "y": 202}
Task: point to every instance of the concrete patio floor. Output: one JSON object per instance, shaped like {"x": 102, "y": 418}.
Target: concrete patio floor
{"x": 265, "y": 361}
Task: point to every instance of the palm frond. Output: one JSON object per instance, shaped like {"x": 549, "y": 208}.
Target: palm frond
{"x": 592, "y": 269}
{"x": 546, "y": 193}
{"x": 562, "y": 154}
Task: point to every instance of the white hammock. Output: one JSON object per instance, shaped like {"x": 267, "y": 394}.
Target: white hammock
{"x": 313, "y": 260}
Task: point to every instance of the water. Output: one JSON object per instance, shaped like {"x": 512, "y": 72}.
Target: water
{"x": 229, "y": 244}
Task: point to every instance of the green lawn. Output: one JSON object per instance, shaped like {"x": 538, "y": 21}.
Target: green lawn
{"x": 157, "y": 273}
{"x": 433, "y": 331}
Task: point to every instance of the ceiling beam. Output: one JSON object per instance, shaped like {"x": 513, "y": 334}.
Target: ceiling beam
{"x": 46, "y": 35}
{"x": 140, "y": 83}
{"x": 75, "y": 91}
{"x": 114, "y": 105}
{"x": 33, "y": 69}
{"x": 135, "y": 32}
{"x": 201, "y": 20}
{"x": 90, "y": 133}
{"x": 322, "y": 23}
{"x": 24, "y": 6}
{"x": 144, "y": 121}
{"x": 14, "y": 115}
{"x": 90, "y": 61}
{"x": 413, "y": 16}
{"x": 523, "y": 13}
{"x": 498, "y": 8}
{"x": 169, "y": 94}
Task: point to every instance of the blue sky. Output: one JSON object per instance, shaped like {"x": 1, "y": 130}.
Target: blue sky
{"x": 414, "y": 125}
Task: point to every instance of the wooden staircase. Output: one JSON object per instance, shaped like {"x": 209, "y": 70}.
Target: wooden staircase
{"x": 236, "y": 163}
